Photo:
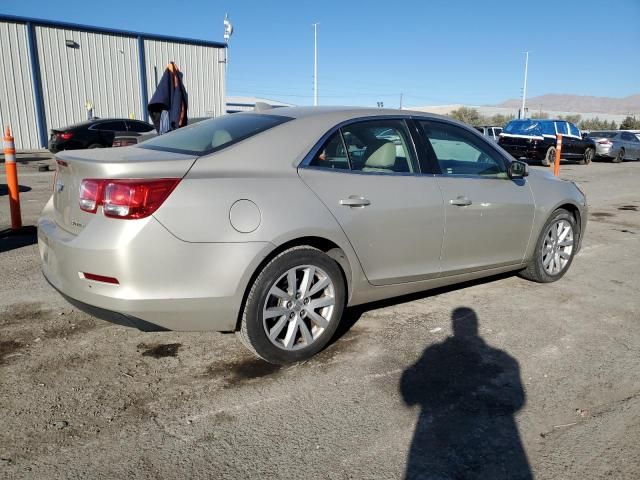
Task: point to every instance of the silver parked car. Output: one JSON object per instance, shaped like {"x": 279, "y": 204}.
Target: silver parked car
{"x": 490, "y": 131}
{"x": 617, "y": 145}
{"x": 271, "y": 223}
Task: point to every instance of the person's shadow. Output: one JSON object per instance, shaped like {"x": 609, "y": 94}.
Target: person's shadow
{"x": 468, "y": 393}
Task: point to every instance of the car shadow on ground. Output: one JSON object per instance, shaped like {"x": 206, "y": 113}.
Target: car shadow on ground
{"x": 468, "y": 393}
{"x": 352, "y": 314}
{"x": 12, "y": 239}
{"x": 4, "y": 189}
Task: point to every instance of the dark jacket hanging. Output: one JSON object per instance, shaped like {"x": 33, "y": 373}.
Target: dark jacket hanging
{"x": 170, "y": 95}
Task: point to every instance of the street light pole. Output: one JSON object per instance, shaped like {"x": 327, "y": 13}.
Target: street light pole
{"x": 524, "y": 88}
{"x": 315, "y": 64}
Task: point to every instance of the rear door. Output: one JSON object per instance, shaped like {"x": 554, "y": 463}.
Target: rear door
{"x": 488, "y": 217}
{"x": 367, "y": 175}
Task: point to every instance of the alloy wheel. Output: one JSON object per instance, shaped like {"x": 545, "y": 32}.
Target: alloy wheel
{"x": 299, "y": 307}
{"x": 557, "y": 247}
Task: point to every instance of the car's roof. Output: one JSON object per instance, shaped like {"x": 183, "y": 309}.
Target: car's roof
{"x": 347, "y": 113}
{"x": 94, "y": 121}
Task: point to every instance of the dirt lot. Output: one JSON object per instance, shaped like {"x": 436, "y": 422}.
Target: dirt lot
{"x": 549, "y": 387}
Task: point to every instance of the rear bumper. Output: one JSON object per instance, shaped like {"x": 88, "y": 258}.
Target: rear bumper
{"x": 518, "y": 151}
{"x": 164, "y": 283}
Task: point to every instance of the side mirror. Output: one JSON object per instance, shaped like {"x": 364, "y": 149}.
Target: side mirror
{"x": 517, "y": 169}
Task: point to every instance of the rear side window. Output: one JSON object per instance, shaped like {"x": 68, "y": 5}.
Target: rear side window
{"x": 117, "y": 126}
{"x": 215, "y": 134}
{"x": 561, "y": 128}
{"x": 139, "y": 127}
{"x": 370, "y": 146}
{"x": 332, "y": 155}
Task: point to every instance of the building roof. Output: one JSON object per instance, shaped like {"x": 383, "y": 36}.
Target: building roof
{"x": 109, "y": 31}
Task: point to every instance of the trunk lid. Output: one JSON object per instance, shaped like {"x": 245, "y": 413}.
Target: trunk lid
{"x": 129, "y": 162}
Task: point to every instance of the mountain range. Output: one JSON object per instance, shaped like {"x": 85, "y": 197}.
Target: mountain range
{"x": 579, "y": 103}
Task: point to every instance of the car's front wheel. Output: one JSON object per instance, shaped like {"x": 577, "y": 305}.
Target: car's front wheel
{"x": 294, "y": 306}
{"x": 555, "y": 249}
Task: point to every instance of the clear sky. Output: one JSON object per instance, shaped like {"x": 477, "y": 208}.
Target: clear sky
{"x": 435, "y": 52}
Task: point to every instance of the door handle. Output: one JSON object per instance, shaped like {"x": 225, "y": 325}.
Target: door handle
{"x": 355, "y": 201}
{"x": 461, "y": 201}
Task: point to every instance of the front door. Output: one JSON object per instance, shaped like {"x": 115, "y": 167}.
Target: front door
{"x": 488, "y": 217}
{"x": 367, "y": 176}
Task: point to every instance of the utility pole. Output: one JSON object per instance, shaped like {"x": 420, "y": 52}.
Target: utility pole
{"x": 400, "y": 100}
{"x": 524, "y": 88}
{"x": 315, "y": 64}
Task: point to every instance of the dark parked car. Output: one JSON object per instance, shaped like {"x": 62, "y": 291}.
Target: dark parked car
{"x": 96, "y": 133}
{"x": 536, "y": 140}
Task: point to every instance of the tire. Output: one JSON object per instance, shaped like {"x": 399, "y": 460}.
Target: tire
{"x": 588, "y": 157}
{"x": 619, "y": 157}
{"x": 95, "y": 145}
{"x": 549, "y": 156}
{"x": 312, "y": 327}
{"x": 545, "y": 248}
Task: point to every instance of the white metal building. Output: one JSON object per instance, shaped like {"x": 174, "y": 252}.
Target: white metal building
{"x": 51, "y": 69}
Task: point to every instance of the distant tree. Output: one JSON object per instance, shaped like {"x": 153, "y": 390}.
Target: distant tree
{"x": 575, "y": 119}
{"x": 467, "y": 115}
{"x": 630, "y": 123}
{"x": 541, "y": 115}
{"x": 596, "y": 124}
{"x": 500, "y": 120}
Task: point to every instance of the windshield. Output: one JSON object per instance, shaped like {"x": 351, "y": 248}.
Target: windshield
{"x": 603, "y": 134}
{"x": 214, "y": 134}
{"x": 524, "y": 127}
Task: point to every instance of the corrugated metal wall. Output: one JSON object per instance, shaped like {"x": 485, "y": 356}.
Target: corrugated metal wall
{"x": 103, "y": 69}
{"x": 17, "y": 105}
{"x": 203, "y": 69}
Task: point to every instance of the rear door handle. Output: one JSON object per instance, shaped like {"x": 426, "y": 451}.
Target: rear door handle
{"x": 355, "y": 201}
{"x": 461, "y": 201}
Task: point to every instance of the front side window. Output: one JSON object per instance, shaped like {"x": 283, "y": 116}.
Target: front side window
{"x": 379, "y": 146}
{"x": 574, "y": 130}
{"x": 460, "y": 153}
{"x": 214, "y": 134}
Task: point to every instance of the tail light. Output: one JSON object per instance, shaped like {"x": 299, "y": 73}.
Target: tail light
{"x": 66, "y": 135}
{"x": 124, "y": 142}
{"x": 125, "y": 198}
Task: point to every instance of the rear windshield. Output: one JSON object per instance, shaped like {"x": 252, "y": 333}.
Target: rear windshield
{"x": 524, "y": 127}
{"x": 603, "y": 134}
{"x": 215, "y": 134}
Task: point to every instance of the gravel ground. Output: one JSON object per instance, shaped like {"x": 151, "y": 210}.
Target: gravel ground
{"x": 548, "y": 386}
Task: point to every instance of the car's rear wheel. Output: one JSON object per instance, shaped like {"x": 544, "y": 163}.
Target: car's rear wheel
{"x": 294, "y": 306}
{"x": 549, "y": 157}
{"x": 619, "y": 157}
{"x": 589, "y": 154}
{"x": 555, "y": 249}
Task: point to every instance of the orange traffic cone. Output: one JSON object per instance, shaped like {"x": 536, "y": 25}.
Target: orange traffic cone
{"x": 12, "y": 180}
